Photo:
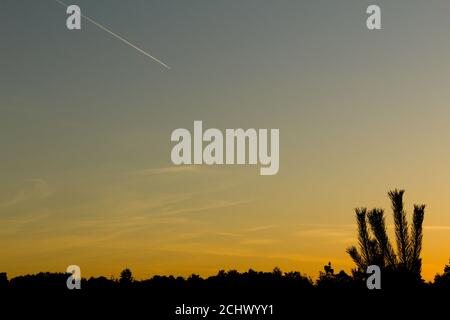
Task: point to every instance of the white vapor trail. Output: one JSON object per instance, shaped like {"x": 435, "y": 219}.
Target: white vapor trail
{"x": 118, "y": 37}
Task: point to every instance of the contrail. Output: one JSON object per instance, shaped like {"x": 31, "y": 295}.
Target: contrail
{"x": 119, "y": 37}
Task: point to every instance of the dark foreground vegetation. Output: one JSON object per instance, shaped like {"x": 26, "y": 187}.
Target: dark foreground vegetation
{"x": 293, "y": 295}
{"x": 290, "y": 293}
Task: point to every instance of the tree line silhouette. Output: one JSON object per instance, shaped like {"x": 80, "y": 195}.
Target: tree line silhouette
{"x": 400, "y": 271}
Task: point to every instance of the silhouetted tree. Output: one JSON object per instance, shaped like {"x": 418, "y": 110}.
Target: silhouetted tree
{"x": 372, "y": 251}
{"x": 329, "y": 280}
{"x": 126, "y": 277}
{"x": 277, "y": 272}
{"x": 384, "y": 252}
{"x": 3, "y": 280}
{"x": 329, "y": 271}
{"x": 416, "y": 238}
{"x": 443, "y": 280}
{"x": 375, "y": 247}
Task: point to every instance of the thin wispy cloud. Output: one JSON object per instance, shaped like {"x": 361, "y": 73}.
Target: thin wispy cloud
{"x": 259, "y": 228}
{"x": 437, "y": 228}
{"x": 322, "y": 233}
{"x": 210, "y": 205}
{"x": 167, "y": 170}
{"x": 30, "y": 189}
{"x": 259, "y": 241}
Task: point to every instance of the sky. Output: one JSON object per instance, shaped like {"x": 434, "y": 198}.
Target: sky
{"x": 85, "y": 125}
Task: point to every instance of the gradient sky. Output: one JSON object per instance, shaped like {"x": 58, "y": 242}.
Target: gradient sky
{"x": 85, "y": 124}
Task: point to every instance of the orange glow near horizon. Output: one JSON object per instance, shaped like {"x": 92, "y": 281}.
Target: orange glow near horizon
{"x": 86, "y": 121}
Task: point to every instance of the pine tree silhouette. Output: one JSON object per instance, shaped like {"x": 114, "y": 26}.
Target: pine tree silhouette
{"x": 374, "y": 245}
